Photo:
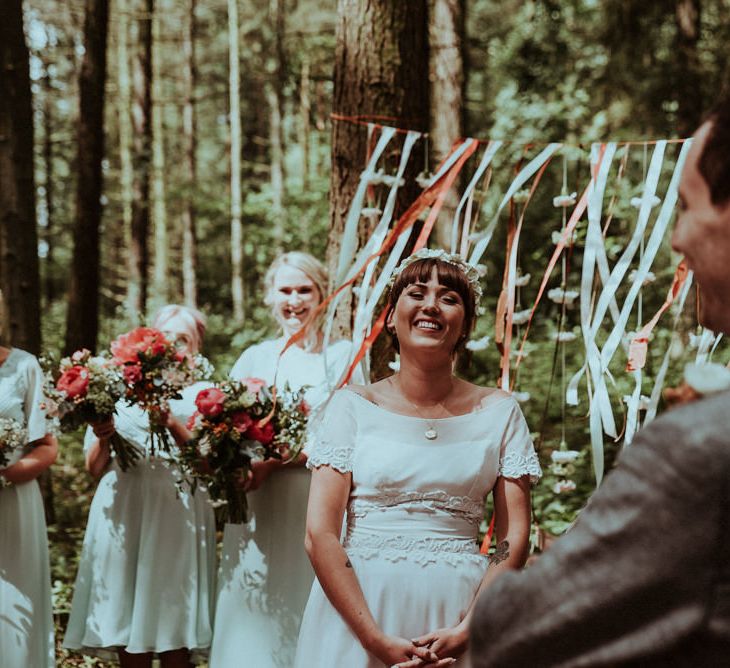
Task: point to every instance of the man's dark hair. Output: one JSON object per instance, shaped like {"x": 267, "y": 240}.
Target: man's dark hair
{"x": 714, "y": 163}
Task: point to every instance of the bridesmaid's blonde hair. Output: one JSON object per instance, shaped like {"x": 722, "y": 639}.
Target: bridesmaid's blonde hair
{"x": 194, "y": 319}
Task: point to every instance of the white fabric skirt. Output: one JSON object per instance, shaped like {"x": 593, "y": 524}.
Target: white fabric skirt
{"x": 147, "y": 571}
{"x": 265, "y": 577}
{"x": 26, "y": 617}
{"x": 407, "y": 599}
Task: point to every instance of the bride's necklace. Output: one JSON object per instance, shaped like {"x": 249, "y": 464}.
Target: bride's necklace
{"x": 431, "y": 432}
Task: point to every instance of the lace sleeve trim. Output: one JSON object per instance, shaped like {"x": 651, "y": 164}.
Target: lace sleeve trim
{"x": 323, "y": 454}
{"x": 514, "y": 465}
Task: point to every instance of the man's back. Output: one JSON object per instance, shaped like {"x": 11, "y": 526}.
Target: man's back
{"x": 644, "y": 576}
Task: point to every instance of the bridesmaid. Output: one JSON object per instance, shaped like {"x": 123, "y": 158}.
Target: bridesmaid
{"x": 145, "y": 582}
{"x": 265, "y": 575}
{"x": 26, "y": 620}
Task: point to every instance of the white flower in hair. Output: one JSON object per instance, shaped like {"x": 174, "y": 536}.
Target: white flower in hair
{"x": 471, "y": 272}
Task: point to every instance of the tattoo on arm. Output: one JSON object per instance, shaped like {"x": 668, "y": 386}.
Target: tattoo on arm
{"x": 348, "y": 564}
{"x": 501, "y": 552}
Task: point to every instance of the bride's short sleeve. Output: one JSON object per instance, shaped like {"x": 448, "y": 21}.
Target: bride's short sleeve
{"x": 332, "y": 435}
{"x": 517, "y": 455}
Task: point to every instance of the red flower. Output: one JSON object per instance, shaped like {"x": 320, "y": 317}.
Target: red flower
{"x": 191, "y": 421}
{"x": 241, "y": 421}
{"x": 126, "y": 348}
{"x": 263, "y": 434}
{"x": 254, "y": 385}
{"x": 210, "y": 402}
{"x": 305, "y": 408}
{"x": 74, "y": 382}
{"x": 132, "y": 373}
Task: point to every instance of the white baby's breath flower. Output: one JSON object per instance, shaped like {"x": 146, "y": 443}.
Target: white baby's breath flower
{"x": 522, "y": 280}
{"x": 636, "y": 201}
{"x": 564, "y": 337}
{"x": 564, "y": 456}
{"x": 560, "y": 296}
{"x": 564, "y": 200}
{"x": 521, "y": 196}
{"x": 562, "y": 486}
{"x": 478, "y": 344}
{"x": 649, "y": 278}
{"x": 521, "y": 317}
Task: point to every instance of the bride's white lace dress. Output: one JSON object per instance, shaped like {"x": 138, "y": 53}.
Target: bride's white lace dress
{"x": 412, "y": 516}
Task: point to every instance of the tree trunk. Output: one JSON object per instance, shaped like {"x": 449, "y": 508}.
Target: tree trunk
{"x": 189, "y": 250}
{"x": 381, "y": 68}
{"x": 48, "y": 187}
{"x": 126, "y": 140}
{"x": 139, "y": 254}
{"x": 160, "y": 292}
{"x": 305, "y": 109}
{"x": 83, "y": 306}
{"x": 235, "y": 120}
{"x": 19, "y": 272}
{"x": 446, "y": 76}
{"x": 688, "y": 83}
{"x": 275, "y": 96}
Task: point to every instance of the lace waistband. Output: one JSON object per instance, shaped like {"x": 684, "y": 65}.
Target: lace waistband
{"x": 421, "y": 550}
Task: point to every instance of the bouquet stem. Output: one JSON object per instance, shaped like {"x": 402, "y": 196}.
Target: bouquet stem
{"x": 126, "y": 453}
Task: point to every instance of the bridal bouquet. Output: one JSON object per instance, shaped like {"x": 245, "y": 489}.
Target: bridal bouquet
{"x": 12, "y": 436}
{"x": 155, "y": 371}
{"x": 85, "y": 388}
{"x": 236, "y": 423}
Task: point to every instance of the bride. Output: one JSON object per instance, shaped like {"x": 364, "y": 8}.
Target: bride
{"x": 411, "y": 459}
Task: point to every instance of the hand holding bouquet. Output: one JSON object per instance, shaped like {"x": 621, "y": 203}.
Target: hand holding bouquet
{"x": 85, "y": 388}
{"x": 12, "y": 437}
{"x": 155, "y": 371}
{"x": 233, "y": 427}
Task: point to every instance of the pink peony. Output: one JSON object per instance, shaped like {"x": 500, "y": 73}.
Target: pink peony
{"x": 126, "y": 347}
{"x": 264, "y": 434}
{"x": 241, "y": 421}
{"x": 210, "y": 402}
{"x": 254, "y": 385}
{"x": 74, "y": 382}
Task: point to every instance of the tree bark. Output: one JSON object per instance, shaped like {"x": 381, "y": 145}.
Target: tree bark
{"x": 235, "y": 121}
{"x": 19, "y": 270}
{"x": 446, "y": 76}
{"x": 48, "y": 188}
{"x": 189, "y": 249}
{"x": 139, "y": 254}
{"x": 305, "y": 110}
{"x": 381, "y": 68}
{"x": 160, "y": 291}
{"x": 83, "y": 306}
{"x": 126, "y": 140}
{"x": 275, "y": 96}
{"x": 688, "y": 83}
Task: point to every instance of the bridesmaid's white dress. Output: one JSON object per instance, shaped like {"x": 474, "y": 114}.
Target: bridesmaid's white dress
{"x": 146, "y": 578}
{"x": 265, "y": 575}
{"x": 26, "y": 617}
{"x": 412, "y": 516}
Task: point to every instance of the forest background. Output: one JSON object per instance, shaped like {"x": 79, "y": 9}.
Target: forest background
{"x": 212, "y": 126}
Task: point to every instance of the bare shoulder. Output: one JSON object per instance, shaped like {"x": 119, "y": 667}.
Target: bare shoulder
{"x": 478, "y": 395}
{"x": 373, "y": 392}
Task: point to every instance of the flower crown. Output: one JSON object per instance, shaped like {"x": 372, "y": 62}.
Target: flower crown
{"x": 471, "y": 272}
